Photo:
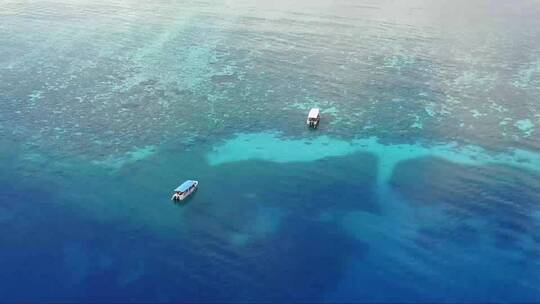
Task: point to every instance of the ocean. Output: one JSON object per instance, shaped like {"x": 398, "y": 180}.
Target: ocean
{"x": 421, "y": 184}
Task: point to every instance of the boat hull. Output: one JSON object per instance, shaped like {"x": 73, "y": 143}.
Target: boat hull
{"x": 189, "y": 192}
{"x": 313, "y": 124}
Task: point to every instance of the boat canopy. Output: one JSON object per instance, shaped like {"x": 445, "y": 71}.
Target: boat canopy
{"x": 313, "y": 113}
{"x": 184, "y": 186}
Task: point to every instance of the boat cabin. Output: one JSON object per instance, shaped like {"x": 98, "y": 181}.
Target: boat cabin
{"x": 313, "y": 118}
{"x": 184, "y": 190}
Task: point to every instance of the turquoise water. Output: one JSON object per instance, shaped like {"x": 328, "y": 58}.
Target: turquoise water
{"x": 422, "y": 182}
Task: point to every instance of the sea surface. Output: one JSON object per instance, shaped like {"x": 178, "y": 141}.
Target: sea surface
{"x": 421, "y": 184}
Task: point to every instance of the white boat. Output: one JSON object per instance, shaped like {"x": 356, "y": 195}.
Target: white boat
{"x": 313, "y": 118}
{"x": 184, "y": 190}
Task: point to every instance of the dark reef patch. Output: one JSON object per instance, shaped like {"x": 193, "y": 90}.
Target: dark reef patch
{"x": 55, "y": 248}
{"x": 503, "y": 198}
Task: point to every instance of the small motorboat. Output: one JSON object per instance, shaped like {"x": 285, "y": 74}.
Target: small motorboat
{"x": 313, "y": 118}
{"x": 184, "y": 190}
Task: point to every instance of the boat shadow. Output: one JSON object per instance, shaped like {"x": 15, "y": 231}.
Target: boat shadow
{"x": 186, "y": 201}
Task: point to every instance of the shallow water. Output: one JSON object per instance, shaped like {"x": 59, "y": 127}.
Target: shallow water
{"x": 421, "y": 183}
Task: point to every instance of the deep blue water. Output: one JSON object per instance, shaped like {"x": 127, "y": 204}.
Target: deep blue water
{"x": 421, "y": 184}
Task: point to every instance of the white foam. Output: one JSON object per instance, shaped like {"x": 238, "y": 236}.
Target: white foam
{"x": 35, "y": 96}
{"x": 525, "y": 125}
{"x": 475, "y": 113}
{"x": 417, "y": 123}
